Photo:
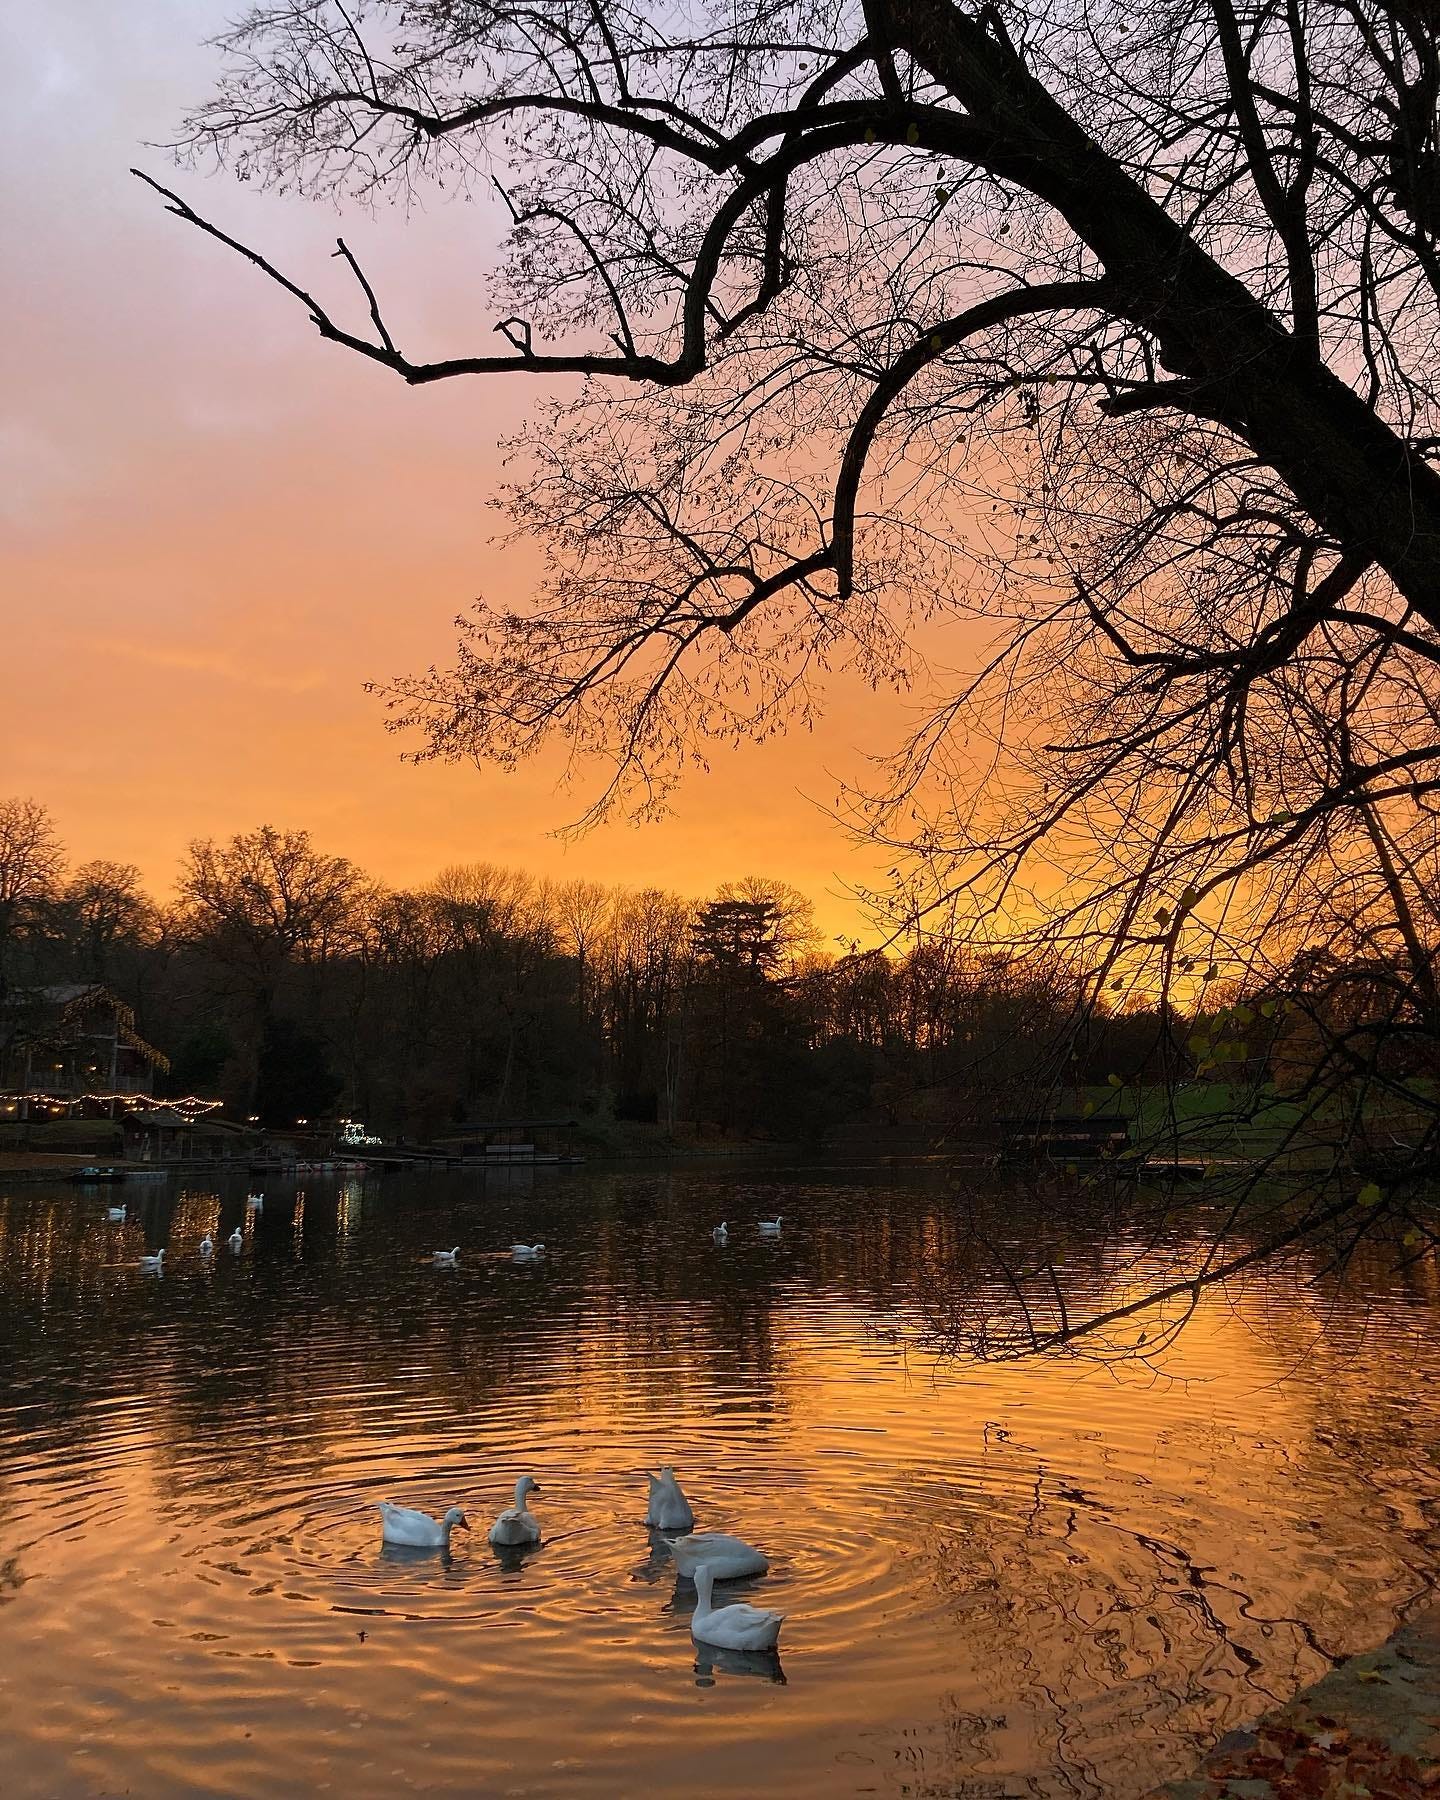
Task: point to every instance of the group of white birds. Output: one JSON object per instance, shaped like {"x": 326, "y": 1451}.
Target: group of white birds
{"x": 703, "y": 1557}
{"x": 766, "y": 1228}
{"x": 442, "y": 1259}
{"x": 450, "y": 1259}
{"x": 155, "y": 1265}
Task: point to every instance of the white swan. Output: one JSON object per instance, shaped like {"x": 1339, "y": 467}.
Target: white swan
{"x": 721, "y": 1232}
{"x": 255, "y": 1202}
{"x": 736, "y": 1627}
{"x": 153, "y": 1265}
{"x": 117, "y": 1213}
{"x": 728, "y": 1558}
{"x": 669, "y": 1509}
{"x": 207, "y": 1245}
{"x": 236, "y": 1240}
{"x": 770, "y": 1227}
{"x": 526, "y": 1252}
{"x": 517, "y": 1525}
{"x": 408, "y": 1525}
{"x": 445, "y": 1259}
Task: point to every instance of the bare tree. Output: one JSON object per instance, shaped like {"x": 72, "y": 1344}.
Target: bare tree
{"x": 913, "y": 224}
{"x": 265, "y": 897}
{"x": 259, "y": 905}
{"x": 1116, "y": 331}
{"x": 105, "y": 906}
{"x": 582, "y": 912}
{"x": 1124, "y": 336}
{"x": 31, "y": 859}
{"x": 645, "y": 971}
{"x": 499, "y": 936}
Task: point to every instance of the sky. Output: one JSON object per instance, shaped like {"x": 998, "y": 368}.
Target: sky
{"x": 214, "y": 529}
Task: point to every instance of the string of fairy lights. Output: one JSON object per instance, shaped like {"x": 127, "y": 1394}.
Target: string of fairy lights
{"x": 191, "y": 1105}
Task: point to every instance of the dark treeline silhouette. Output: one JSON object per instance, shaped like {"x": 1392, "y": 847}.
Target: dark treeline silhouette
{"x": 290, "y": 984}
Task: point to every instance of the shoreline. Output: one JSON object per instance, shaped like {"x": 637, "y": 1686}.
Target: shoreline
{"x": 1370, "y": 1725}
{"x": 39, "y": 1165}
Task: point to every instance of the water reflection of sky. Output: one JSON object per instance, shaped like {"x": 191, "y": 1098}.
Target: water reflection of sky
{"x": 1035, "y": 1578}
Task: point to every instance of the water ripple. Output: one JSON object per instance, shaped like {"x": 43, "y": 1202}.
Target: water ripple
{"x": 1019, "y": 1574}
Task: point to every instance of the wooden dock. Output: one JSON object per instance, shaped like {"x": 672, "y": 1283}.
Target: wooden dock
{"x": 1063, "y": 1139}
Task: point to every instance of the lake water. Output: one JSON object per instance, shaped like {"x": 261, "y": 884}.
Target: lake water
{"x": 1031, "y": 1578}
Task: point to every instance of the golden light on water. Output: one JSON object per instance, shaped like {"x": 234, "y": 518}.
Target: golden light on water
{"x": 984, "y": 1565}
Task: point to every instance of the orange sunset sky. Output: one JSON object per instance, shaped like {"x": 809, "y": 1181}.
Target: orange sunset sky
{"x": 214, "y": 528}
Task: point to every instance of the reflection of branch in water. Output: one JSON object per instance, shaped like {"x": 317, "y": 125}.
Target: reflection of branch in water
{"x": 1076, "y": 1499}
{"x": 12, "y": 1578}
{"x": 1195, "y": 1575}
{"x": 949, "y": 1770}
{"x": 1021, "y": 1307}
{"x": 1075, "y": 1650}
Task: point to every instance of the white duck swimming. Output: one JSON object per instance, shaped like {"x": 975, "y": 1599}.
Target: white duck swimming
{"x": 116, "y": 1214}
{"x": 207, "y": 1245}
{"x": 408, "y": 1525}
{"x": 728, "y": 1558}
{"x": 669, "y": 1509}
{"x": 153, "y": 1265}
{"x": 770, "y": 1227}
{"x": 445, "y": 1259}
{"x": 526, "y": 1252}
{"x": 236, "y": 1240}
{"x": 255, "y": 1202}
{"x": 721, "y": 1233}
{"x": 517, "y": 1525}
{"x": 735, "y": 1627}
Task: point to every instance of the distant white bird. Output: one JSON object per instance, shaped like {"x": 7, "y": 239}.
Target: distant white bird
{"x": 526, "y": 1252}
{"x": 721, "y": 1233}
{"x": 236, "y": 1240}
{"x": 729, "y": 1558}
{"x": 115, "y": 1213}
{"x": 518, "y": 1525}
{"x": 153, "y": 1265}
{"x": 669, "y": 1509}
{"x": 207, "y": 1245}
{"x": 445, "y": 1259}
{"x": 770, "y": 1227}
{"x": 735, "y": 1627}
{"x": 408, "y": 1525}
{"x": 255, "y": 1202}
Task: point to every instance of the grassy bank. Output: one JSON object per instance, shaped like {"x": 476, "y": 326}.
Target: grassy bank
{"x": 1223, "y": 1119}
{"x": 1199, "y": 1115}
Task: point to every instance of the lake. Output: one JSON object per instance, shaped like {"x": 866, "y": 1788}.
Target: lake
{"x": 1019, "y": 1578}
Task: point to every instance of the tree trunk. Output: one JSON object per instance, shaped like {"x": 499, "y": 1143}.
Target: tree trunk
{"x": 1356, "y": 477}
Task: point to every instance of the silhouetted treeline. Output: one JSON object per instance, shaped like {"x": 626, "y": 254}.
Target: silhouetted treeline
{"x": 289, "y": 983}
